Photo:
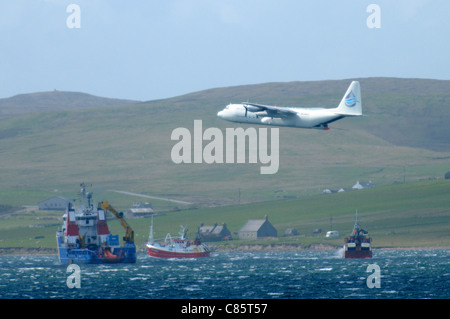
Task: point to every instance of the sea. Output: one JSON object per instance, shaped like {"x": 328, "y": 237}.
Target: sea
{"x": 390, "y": 274}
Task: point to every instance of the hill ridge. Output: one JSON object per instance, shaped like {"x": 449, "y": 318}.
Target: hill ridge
{"x": 370, "y": 85}
{"x": 54, "y": 101}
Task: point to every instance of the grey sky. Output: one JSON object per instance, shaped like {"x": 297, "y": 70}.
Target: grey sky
{"x": 147, "y": 50}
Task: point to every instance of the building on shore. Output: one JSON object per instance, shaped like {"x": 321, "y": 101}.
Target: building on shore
{"x": 55, "y": 203}
{"x": 141, "y": 209}
{"x": 359, "y": 185}
{"x": 214, "y": 233}
{"x": 257, "y": 228}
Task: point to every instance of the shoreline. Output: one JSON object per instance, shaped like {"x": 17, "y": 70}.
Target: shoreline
{"x": 21, "y": 251}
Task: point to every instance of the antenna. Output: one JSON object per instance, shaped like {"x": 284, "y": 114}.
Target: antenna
{"x": 356, "y": 219}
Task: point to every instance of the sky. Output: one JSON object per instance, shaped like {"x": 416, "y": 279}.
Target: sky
{"x": 154, "y": 49}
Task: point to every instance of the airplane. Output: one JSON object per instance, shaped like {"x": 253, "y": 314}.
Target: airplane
{"x": 315, "y": 118}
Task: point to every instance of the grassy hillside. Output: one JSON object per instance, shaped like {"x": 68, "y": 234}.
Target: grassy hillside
{"x": 128, "y": 148}
{"x": 401, "y": 215}
{"x": 54, "y": 101}
{"x": 405, "y": 112}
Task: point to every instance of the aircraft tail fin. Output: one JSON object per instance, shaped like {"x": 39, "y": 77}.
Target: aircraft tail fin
{"x": 351, "y": 104}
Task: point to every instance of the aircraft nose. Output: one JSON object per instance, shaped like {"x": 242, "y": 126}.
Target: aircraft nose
{"x": 220, "y": 114}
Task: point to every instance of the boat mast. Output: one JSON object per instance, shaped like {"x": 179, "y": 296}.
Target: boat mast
{"x": 150, "y": 238}
{"x": 356, "y": 228}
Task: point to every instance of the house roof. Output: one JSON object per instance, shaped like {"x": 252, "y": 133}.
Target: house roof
{"x": 206, "y": 229}
{"x": 215, "y": 229}
{"x": 363, "y": 185}
{"x": 253, "y": 225}
{"x": 56, "y": 198}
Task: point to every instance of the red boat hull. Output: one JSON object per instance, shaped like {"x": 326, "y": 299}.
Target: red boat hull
{"x": 158, "y": 253}
{"x": 358, "y": 254}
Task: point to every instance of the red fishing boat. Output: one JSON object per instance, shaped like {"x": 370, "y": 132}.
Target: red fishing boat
{"x": 176, "y": 247}
{"x": 358, "y": 244}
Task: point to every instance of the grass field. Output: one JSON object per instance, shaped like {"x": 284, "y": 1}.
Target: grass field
{"x": 400, "y": 215}
{"x": 128, "y": 147}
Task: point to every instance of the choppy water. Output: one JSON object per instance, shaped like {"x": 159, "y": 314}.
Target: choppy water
{"x": 236, "y": 275}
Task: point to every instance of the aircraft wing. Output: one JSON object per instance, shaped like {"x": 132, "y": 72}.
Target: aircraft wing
{"x": 272, "y": 111}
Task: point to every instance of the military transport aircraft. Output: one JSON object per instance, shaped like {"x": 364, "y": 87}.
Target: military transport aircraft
{"x": 317, "y": 118}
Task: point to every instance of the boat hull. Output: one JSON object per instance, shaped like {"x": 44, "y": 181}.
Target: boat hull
{"x": 353, "y": 250}
{"x": 358, "y": 244}
{"x": 195, "y": 252}
{"x": 86, "y": 256}
{"x": 358, "y": 254}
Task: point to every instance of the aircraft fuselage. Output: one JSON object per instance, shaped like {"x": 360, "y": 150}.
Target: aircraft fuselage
{"x": 304, "y": 118}
{"x": 318, "y": 118}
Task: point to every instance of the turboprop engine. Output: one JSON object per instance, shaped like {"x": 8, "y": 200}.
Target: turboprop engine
{"x": 262, "y": 113}
{"x": 267, "y": 120}
{"x": 252, "y": 108}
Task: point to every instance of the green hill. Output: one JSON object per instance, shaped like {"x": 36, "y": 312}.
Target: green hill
{"x": 405, "y": 112}
{"x": 54, "y": 101}
{"x": 402, "y": 147}
{"x": 128, "y": 147}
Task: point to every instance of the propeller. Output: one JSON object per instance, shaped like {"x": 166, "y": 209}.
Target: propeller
{"x": 246, "y": 108}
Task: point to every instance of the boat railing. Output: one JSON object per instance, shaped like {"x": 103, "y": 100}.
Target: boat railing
{"x": 170, "y": 241}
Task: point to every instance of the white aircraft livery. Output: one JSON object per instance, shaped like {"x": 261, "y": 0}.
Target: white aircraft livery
{"x": 317, "y": 118}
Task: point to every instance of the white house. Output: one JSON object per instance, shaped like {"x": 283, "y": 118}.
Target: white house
{"x": 359, "y": 185}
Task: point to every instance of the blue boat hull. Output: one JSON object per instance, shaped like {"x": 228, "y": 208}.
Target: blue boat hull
{"x": 126, "y": 254}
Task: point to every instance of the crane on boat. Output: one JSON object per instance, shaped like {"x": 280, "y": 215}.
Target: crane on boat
{"x": 129, "y": 232}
